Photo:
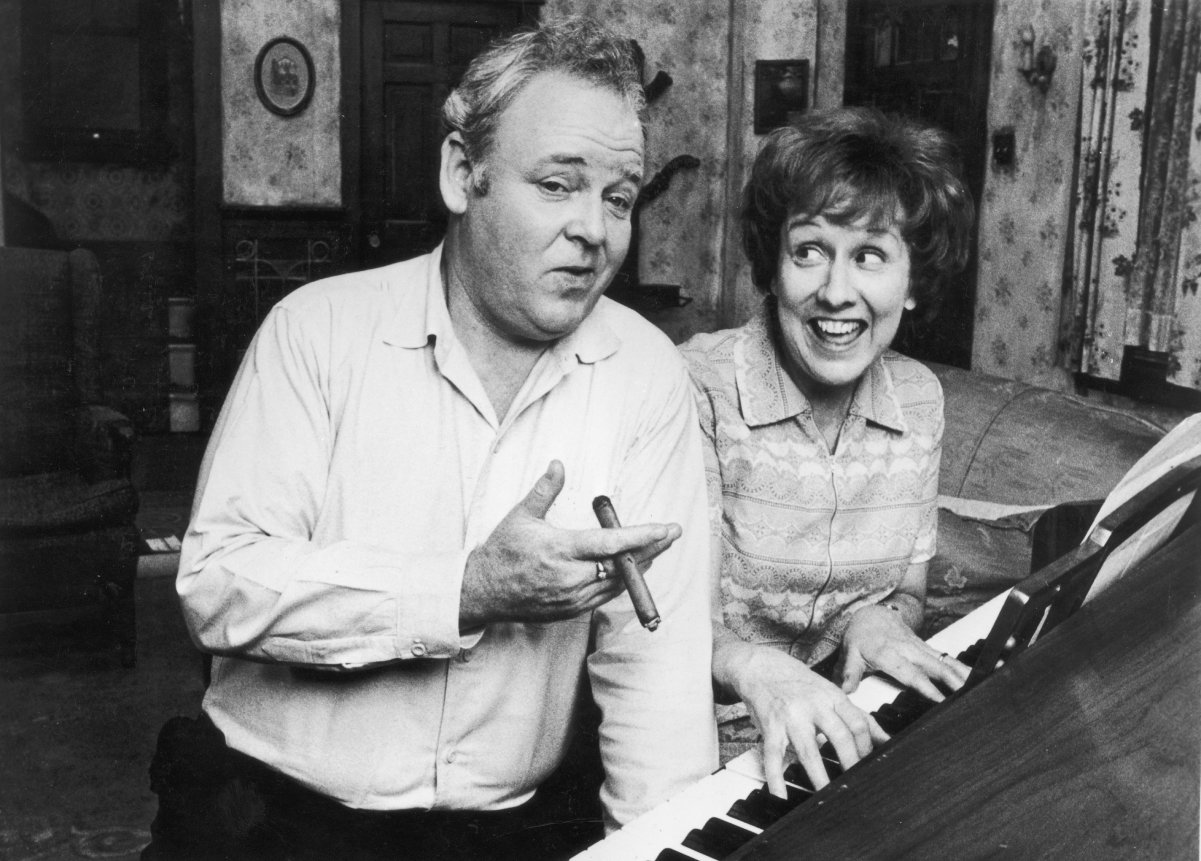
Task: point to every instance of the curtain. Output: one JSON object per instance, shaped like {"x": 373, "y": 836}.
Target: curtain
{"x": 1136, "y": 243}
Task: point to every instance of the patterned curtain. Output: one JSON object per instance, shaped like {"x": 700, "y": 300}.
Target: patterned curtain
{"x": 1136, "y": 244}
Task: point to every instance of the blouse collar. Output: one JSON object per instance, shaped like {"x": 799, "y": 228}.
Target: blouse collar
{"x": 767, "y": 394}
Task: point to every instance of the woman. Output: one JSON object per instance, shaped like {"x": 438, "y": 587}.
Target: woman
{"x": 823, "y": 445}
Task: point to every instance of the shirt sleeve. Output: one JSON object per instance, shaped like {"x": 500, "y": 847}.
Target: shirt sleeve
{"x": 654, "y": 689}
{"x": 252, "y": 582}
{"x": 707, "y": 422}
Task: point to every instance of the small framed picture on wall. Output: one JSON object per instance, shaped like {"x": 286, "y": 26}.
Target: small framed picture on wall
{"x": 283, "y": 76}
{"x": 781, "y": 93}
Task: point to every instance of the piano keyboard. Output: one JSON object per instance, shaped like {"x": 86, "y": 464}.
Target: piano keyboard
{"x": 717, "y": 814}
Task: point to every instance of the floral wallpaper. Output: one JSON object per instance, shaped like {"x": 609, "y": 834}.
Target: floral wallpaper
{"x": 109, "y": 203}
{"x": 1184, "y": 367}
{"x": 1023, "y": 216}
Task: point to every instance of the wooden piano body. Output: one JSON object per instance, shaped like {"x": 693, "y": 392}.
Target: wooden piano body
{"x": 1086, "y": 745}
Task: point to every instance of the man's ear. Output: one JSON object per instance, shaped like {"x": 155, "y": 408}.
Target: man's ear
{"x": 454, "y": 176}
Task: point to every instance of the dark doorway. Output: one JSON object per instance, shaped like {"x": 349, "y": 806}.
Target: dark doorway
{"x": 931, "y": 60}
{"x": 412, "y": 54}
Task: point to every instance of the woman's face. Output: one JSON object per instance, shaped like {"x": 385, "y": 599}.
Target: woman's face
{"x": 840, "y": 291}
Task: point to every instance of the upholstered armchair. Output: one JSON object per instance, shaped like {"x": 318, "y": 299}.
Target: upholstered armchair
{"x": 67, "y": 506}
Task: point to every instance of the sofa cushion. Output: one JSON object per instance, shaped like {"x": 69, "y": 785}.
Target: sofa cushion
{"x": 38, "y": 393}
{"x": 1014, "y": 443}
{"x": 61, "y": 502}
{"x": 979, "y": 556}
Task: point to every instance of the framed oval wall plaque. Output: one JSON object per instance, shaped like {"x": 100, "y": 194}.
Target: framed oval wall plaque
{"x": 283, "y": 76}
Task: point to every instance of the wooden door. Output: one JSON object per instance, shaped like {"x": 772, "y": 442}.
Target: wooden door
{"x": 931, "y": 60}
{"x": 413, "y": 53}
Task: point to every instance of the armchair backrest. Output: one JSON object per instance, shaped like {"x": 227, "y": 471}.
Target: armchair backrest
{"x": 49, "y": 355}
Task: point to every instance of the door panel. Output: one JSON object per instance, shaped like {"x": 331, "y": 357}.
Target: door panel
{"x": 930, "y": 60}
{"x": 413, "y": 53}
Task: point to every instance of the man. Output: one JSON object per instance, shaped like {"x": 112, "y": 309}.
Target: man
{"x": 393, "y": 552}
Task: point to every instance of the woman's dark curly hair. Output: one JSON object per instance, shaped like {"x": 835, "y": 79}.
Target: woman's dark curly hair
{"x": 848, "y": 164}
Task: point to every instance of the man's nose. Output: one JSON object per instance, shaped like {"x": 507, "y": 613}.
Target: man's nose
{"x": 587, "y": 223}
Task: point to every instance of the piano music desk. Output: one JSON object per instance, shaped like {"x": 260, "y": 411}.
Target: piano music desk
{"x": 1086, "y": 746}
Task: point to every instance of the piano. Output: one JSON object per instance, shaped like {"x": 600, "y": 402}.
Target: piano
{"x": 1081, "y": 741}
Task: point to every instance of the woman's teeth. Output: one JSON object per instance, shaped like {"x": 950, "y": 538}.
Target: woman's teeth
{"x": 837, "y": 328}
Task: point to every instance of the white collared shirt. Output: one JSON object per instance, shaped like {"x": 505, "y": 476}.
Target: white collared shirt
{"x": 356, "y": 463}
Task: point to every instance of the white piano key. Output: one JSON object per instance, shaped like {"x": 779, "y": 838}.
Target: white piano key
{"x": 669, "y": 823}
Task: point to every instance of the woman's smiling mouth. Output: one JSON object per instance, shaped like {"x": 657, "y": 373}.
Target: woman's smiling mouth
{"x": 836, "y": 332}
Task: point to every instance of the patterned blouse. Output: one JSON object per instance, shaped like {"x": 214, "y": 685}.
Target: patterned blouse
{"x": 802, "y": 537}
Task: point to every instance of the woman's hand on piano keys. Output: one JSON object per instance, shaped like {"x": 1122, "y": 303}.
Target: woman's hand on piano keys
{"x": 878, "y": 640}
{"x": 791, "y": 704}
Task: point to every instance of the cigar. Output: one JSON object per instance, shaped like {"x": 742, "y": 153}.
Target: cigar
{"x": 644, "y": 604}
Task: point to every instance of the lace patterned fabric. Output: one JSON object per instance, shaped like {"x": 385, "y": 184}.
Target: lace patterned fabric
{"x": 804, "y": 537}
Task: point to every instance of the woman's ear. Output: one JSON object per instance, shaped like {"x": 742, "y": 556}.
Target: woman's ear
{"x": 454, "y": 175}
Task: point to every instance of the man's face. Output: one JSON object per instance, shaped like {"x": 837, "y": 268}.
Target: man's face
{"x": 538, "y": 249}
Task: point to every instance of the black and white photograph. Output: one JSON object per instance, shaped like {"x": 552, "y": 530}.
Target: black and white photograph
{"x": 600, "y": 430}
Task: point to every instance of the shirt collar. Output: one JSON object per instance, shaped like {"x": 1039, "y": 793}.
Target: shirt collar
{"x": 767, "y": 394}
{"x": 422, "y": 318}
{"x": 421, "y": 314}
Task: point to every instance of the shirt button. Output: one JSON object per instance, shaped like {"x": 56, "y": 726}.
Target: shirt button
{"x": 464, "y": 655}
{"x": 418, "y": 650}
{"x": 451, "y": 756}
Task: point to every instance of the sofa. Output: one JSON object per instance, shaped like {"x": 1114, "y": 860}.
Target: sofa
{"x": 1011, "y": 451}
{"x": 67, "y": 505}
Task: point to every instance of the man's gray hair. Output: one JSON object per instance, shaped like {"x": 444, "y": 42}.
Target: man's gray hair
{"x": 578, "y": 46}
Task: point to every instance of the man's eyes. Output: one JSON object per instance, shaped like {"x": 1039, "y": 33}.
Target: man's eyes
{"x": 623, "y": 204}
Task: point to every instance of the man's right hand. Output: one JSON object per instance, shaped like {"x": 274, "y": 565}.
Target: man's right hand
{"x": 530, "y": 571}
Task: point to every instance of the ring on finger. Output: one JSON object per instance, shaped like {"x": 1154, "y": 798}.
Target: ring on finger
{"x": 943, "y": 657}
{"x": 601, "y": 573}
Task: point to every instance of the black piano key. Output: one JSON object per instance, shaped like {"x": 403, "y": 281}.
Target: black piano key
{"x": 795, "y": 774}
{"x": 891, "y": 720}
{"x": 670, "y": 854}
{"x": 717, "y": 839}
{"x": 797, "y": 794}
{"x": 775, "y": 806}
{"x": 744, "y": 812}
{"x": 971, "y": 653}
{"x": 912, "y": 704}
{"x": 761, "y": 809}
